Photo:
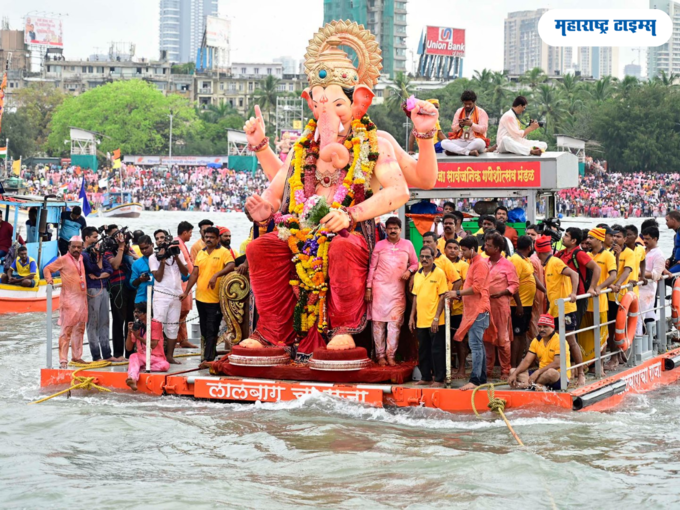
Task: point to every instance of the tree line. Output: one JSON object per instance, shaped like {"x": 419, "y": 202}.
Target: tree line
{"x": 633, "y": 124}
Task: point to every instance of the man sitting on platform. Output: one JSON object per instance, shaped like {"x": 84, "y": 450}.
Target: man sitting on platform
{"x": 137, "y": 336}
{"x": 25, "y": 268}
{"x": 545, "y": 349}
{"x": 511, "y": 138}
{"x": 468, "y": 129}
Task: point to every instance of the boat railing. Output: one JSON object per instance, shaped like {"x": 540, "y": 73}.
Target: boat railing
{"x": 654, "y": 341}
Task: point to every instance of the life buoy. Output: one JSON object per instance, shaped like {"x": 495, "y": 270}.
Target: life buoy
{"x": 626, "y": 321}
{"x": 675, "y": 303}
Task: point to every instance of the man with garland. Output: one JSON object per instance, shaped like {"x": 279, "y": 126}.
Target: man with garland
{"x": 340, "y": 175}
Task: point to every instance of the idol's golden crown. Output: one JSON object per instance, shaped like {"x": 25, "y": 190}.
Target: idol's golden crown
{"x": 326, "y": 63}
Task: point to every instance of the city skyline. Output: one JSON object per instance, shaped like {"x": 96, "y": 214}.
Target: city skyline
{"x": 127, "y": 20}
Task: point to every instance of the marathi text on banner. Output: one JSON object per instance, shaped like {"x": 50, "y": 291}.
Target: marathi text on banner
{"x": 521, "y": 174}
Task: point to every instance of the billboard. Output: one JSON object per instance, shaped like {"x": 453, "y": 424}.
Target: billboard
{"x": 445, "y": 41}
{"x": 217, "y": 32}
{"x": 45, "y": 31}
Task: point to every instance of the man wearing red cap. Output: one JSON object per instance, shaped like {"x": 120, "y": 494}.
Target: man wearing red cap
{"x": 561, "y": 282}
{"x": 225, "y": 240}
{"x": 545, "y": 349}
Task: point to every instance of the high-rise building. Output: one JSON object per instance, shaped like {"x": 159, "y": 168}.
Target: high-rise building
{"x": 182, "y": 23}
{"x": 598, "y": 62}
{"x": 386, "y": 19}
{"x": 634, "y": 70}
{"x": 524, "y": 49}
{"x": 667, "y": 56}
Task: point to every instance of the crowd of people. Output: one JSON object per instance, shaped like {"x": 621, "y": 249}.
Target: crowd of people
{"x": 174, "y": 188}
{"x": 616, "y": 195}
{"x": 502, "y": 288}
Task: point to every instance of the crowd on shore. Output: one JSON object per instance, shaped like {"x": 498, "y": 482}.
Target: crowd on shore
{"x": 615, "y": 195}
{"x": 599, "y": 195}
{"x": 176, "y": 188}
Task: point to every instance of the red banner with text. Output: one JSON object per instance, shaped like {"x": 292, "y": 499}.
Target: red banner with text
{"x": 502, "y": 174}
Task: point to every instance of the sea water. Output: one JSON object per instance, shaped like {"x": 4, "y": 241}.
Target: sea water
{"x": 124, "y": 450}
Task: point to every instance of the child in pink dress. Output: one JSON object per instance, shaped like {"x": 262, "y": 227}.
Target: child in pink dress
{"x": 138, "y": 337}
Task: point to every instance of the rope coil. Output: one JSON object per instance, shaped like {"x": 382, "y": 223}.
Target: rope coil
{"x": 496, "y": 405}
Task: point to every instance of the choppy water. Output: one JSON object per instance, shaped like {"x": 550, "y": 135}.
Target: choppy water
{"x": 123, "y": 450}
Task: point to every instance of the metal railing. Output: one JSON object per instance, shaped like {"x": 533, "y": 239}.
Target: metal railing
{"x": 49, "y": 289}
{"x": 656, "y": 336}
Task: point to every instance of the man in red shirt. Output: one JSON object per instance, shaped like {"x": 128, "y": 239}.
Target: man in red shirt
{"x": 6, "y": 232}
{"x": 578, "y": 260}
{"x": 501, "y": 214}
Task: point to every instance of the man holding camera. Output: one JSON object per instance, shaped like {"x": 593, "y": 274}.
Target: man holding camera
{"x": 511, "y": 138}
{"x": 468, "y": 131}
{"x": 121, "y": 295}
{"x": 97, "y": 273}
{"x": 168, "y": 266}
{"x": 136, "y": 339}
{"x": 141, "y": 276}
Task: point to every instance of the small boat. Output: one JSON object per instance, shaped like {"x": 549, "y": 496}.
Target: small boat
{"x": 119, "y": 204}
{"x": 14, "y": 299}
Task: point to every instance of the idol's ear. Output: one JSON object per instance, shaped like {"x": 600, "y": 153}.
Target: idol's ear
{"x": 362, "y": 99}
{"x": 307, "y": 96}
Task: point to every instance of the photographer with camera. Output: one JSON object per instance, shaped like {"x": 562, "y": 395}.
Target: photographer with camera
{"x": 511, "y": 138}
{"x": 168, "y": 266}
{"x": 136, "y": 337}
{"x": 121, "y": 294}
{"x": 141, "y": 276}
{"x": 97, "y": 273}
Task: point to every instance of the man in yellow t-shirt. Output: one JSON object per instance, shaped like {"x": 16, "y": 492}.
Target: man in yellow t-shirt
{"x": 527, "y": 292}
{"x": 200, "y": 244}
{"x": 545, "y": 349}
{"x": 640, "y": 253}
{"x": 626, "y": 262}
{"x": 429, "y": 287}
{"x": 23, "y": 272}
{"x": 560, "y": 282}
{"x": 606, "y": 261}
{"x": 210, "y": 264}
{"x": 440, "y": 260}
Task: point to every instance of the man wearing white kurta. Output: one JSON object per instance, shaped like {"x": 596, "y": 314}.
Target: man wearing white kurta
{"x": 511, "y": 138}
{"x": 167, "y": 305}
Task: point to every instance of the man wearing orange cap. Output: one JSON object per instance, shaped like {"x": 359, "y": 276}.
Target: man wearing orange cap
{"x": 545, "y": 349}
{"x": 225, "y": 240}
{"x": 73, "y": 300}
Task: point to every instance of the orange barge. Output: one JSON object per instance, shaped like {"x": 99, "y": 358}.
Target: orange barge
{"x": 190, "y": 381}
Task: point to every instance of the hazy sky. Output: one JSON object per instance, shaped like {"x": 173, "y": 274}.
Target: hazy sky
{"x": 265, "y": 29}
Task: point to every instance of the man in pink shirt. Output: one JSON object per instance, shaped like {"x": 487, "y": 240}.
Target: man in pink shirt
{"x": 503, "y": 284}
{"x": 393, "y": 262}
{"x": 476, "y": 306}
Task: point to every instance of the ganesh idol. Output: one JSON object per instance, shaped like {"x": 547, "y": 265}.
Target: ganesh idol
{"x": 308, "y": 277}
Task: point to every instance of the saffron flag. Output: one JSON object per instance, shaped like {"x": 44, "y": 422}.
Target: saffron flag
{"x": 3, "y": 152}
{"x": 116, "y": 154}
{"x": 16, "y": 166}
{"x": 84, "y": 203}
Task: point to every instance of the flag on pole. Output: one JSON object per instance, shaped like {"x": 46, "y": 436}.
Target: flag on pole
{"x": 84, "y": 203}
{"x": 116, "y": 164}
{"x": 116, "y": 154}
{"x": 16, "y": 166}
{"x": 3, "y": 152}
{"x": 63, "y": 189}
